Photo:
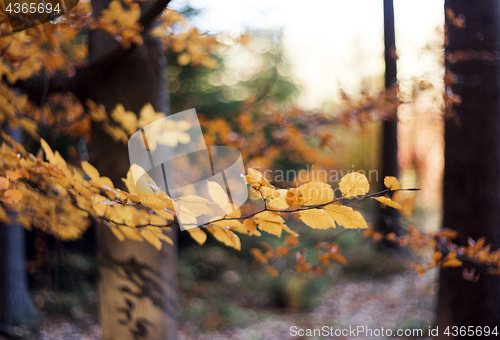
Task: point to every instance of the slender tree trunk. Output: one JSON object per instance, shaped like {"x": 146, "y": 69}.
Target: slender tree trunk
{"x": 16, "y": 307}
{"x": 138, "y": 284}
{"x": 389, "y": 218}
{"x": 472, "y": 165}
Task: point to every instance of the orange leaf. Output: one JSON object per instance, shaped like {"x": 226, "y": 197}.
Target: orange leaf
{"x": 272, "y": 271}
{"x": 4, "y": 183}
{"x": 12, "y": 196}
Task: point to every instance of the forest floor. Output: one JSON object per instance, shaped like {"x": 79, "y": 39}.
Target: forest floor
{"x": 402, "y": 300}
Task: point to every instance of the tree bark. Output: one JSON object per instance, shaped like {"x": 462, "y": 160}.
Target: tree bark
{"x": 389, "y": 218}
{"x": 16, "y": 307}
{"x": 138, "y": 284}
{"x": 471, "y": 199}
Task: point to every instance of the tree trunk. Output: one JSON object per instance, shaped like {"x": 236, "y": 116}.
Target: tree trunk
{"x": 16, "y": 307}
{"x": 389, "y": 218}
{"x": 138, "y": 284}
{"x": 471, "y": 199}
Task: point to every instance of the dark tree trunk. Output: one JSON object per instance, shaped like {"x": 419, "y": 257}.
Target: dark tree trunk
{"x": 389, "y": 218}
{"x": 138, "y": 284}
{"x": 472, "y": 165}
{"x": 15, "y": 302}
{"x": 16, "y": 307}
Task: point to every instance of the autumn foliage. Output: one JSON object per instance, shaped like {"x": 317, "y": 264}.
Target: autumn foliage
{"x": 48, "y": 193}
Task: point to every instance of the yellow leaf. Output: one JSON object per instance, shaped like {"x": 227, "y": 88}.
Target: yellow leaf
{"x": 253, "y": 178}
{"x": 197, "y": 205}
{"x": 265, "y": 183}
{"x": 91, "y": 171}
{"x": 153, "y": 203}
{"x": 232, "y": 224}
{"x": 346, "y": 217}
{"x": 218, "y": 195}
{"x": 171, "y": 205}
{"x": 165, "y": 238}
{"x": 151, "y": 238}
{"x": 149, "y": 115}
{"x": 239, "y": 229}
{"x": 198, "y": 235}
{"x": 48, "y": 152}
{"x": 278, "y": 203}
{"x": 354, "y": 184}
{"x": 271, "y": 227}
{"x": 83, "y": 190}
{"x": 225, "y": 236}
{"x": 106, "y": 183}
{"x": 100, "y": 209}
{"x": 129, "y": 181}
{"x": 288, "y": 230}
{"x": 250, "y": 226}
{"x": 165, "y": 214}
{"x": 157, "y": 220}
{"x": 269, "y": 193}
{"x": 387, "y": 201}
{"x": 235, "y": 213}
{"x": 154, "y": 229}
{"x": 83, "y": 203}
{"x": 269, "y": 216}
{"x": 159, "y": 233}
{"x": 145, "y": 183}
{"x": 122, "y": 195}
{"x": 270, "y": 222}
{"x": 317, "y": 219}
{"x": 392, "y": 183}
{"x": 186, "y": 217}
{"x": 292, "y": 196}
{"x": 315, "y": 193}
{"x": 131, "y": 233}
{"x": 119, "y": 235}
{"x": 63, "y": 166}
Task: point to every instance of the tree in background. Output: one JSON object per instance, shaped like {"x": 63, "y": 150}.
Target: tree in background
{"x": 389, "y": 218}
{"x": 471, "y": 176}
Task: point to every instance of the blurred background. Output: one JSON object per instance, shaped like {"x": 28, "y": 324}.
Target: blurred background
{"x": 304, "y": 58}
